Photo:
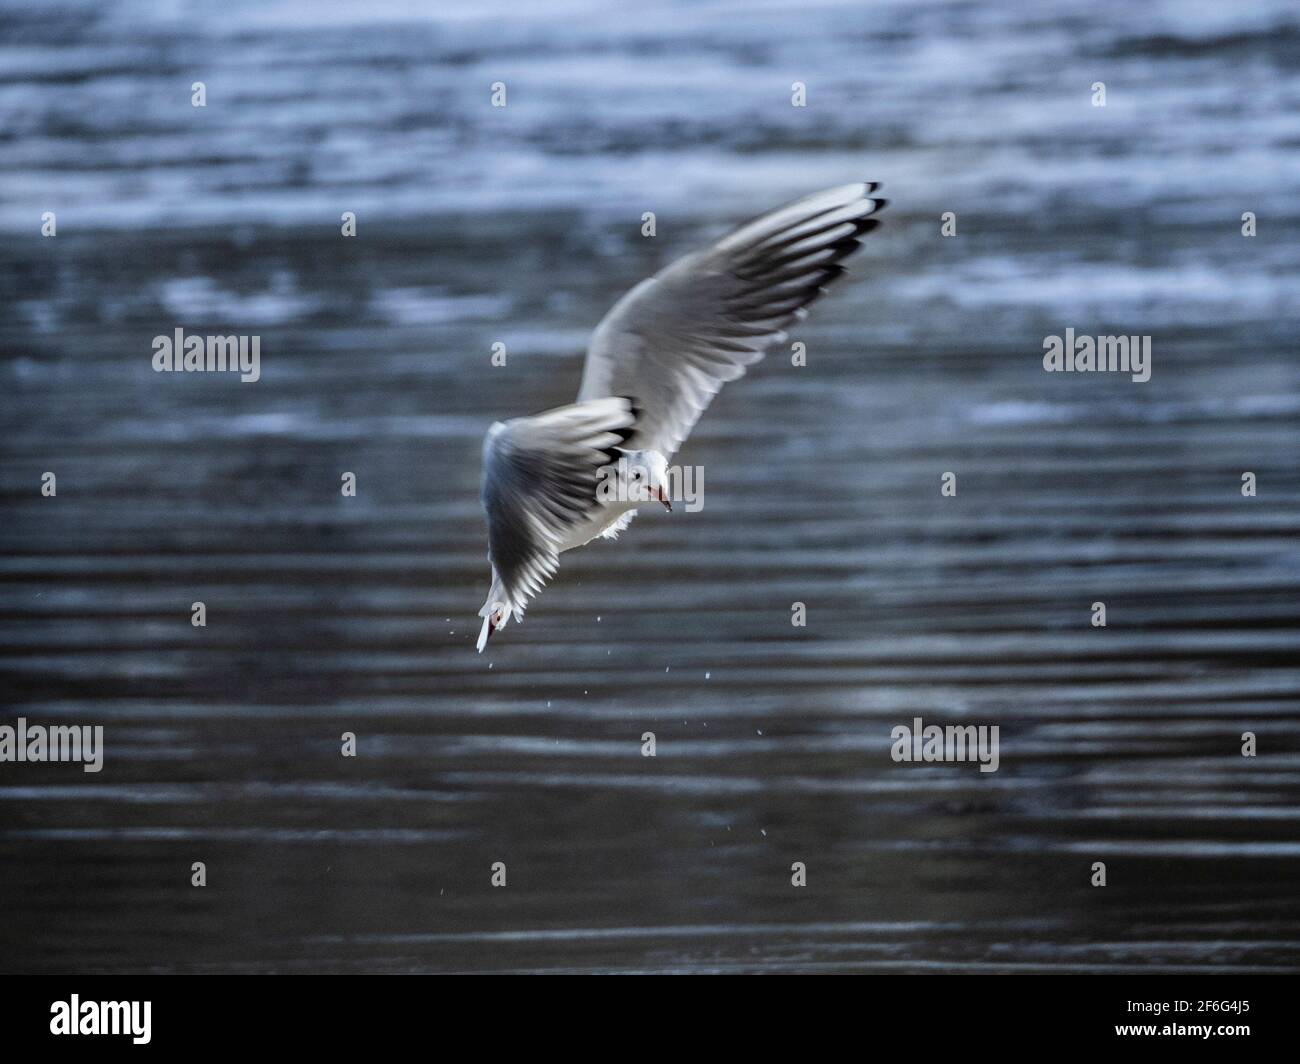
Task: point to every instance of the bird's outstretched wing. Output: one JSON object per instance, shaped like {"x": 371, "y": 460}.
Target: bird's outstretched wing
{"x": 677, "y": 337}
{"x": 539, "y": 481}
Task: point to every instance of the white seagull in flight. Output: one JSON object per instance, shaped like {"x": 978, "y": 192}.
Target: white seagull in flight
{"x": 559, "y": 479}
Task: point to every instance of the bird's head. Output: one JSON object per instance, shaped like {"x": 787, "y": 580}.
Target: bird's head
{"x": 643, "y": 477}
{"x": 495, "y": 614}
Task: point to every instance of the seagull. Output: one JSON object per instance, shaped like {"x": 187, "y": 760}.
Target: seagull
{"x": 559, "y": 479}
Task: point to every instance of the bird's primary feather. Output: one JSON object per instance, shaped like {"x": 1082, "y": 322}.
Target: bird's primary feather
{"x": 677, "y": 337}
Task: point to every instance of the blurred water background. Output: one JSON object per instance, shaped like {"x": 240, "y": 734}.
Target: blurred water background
{"x": 522, "y": 225}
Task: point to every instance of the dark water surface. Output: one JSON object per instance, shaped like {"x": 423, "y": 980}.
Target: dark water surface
{"x": 329, "y": 614}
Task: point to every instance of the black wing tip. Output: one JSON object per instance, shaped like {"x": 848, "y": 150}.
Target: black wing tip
{"x": 626, "y": 432}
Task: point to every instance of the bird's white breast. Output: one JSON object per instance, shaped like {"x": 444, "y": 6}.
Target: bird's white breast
{"x": 599, "y": 522}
